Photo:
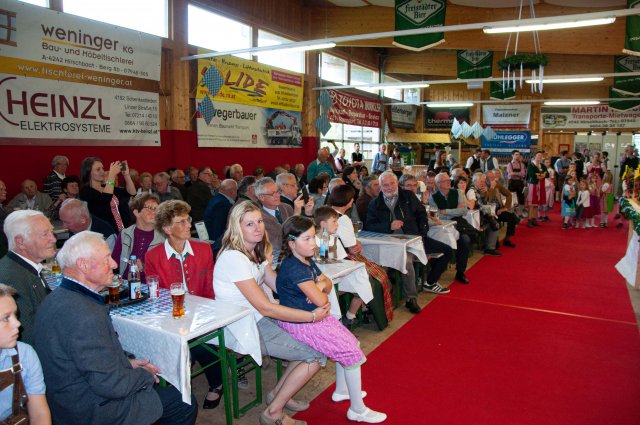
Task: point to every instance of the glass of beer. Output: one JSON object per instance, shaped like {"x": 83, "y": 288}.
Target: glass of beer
{"x": 55, "y": 268}
{"x": 114, "y": 291}
{"x": 177, "y": 299}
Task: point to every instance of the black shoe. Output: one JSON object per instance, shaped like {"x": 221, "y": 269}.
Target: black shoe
{"x": 460, "y": 277}
{"x": 492, "y": 252}
{"x": 212, "y": 404}
{"x": 413, "y": 306}
{"x": 530, "y": 223}
{"x": 534, "y": 223}
{"x": 346, "y": 321}
{"x": 509, "y": 244}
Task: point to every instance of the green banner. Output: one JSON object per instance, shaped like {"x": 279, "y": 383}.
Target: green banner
{"x": 499, "y": 92}
{"x": 622, "y": 104}
{"x": 632, "y": 35}
{"x": 414, "y": 14}
{"x": 474, "y": 64}
{"x": 627, "y": 85}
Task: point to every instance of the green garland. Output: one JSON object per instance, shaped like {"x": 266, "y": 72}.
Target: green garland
{"x": 528, "y": 61}
{"x": 627, "y": 210}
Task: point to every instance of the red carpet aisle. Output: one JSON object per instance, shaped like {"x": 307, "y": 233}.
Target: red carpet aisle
{"x": 551, "y": 341}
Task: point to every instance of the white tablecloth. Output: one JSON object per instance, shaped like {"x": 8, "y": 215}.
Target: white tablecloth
{"x": 149, "y": 331}
{"x": 391, "y": 250}
{"x": 473, "y": 218}
{"x": 350, "y": 276}
{"x": 445, "y": 233}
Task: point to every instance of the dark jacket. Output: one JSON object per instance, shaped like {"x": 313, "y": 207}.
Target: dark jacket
{"x": 408, "y": 209}
{"x": 100, "y": 204}
{"x": 198, "y": 197}
{"x": 215, "y": 219}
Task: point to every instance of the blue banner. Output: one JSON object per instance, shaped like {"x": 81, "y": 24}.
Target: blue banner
{"x": 505, "y": 141}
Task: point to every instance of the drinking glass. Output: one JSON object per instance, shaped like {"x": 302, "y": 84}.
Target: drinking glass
{"x": 153, "y": 283}
{"x": 114, "y": 290}
{"x": 177, "y": 299}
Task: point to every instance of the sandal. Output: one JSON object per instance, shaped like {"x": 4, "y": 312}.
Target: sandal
{"x": 293, "y": 405}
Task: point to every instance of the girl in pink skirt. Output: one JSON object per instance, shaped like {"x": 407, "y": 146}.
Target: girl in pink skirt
{"x": 301, "y": 284}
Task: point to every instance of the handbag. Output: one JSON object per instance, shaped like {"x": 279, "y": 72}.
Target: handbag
{"x": 13, "y": 376}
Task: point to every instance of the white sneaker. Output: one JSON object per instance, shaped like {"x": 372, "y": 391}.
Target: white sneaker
{"x": 342, "y": 397}
{"x": 587, "y": 226}
{"x": 368, "y": 416}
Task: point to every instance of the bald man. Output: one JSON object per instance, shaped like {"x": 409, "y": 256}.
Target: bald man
{"x": 31, "y": 199}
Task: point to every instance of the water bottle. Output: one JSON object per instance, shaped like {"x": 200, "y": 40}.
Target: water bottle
{"x": 135, "y": 286}
{"x": 324, "y": 246}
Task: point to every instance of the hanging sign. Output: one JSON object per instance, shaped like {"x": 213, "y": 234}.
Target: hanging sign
{"x": 500, "y": 91}
{"x": 443, "y": 117}
{"x": 404, "y": 116}
{"x": 627, "y": 85}
{"x": 623, "y": 104}
{"x": 632, "y": 35}
{"x": 415, "y": 14}
{"x": 474, "y": 64}
{"x": 355, "y": 110}
{"x": 596, "y": 116}
{"x": 506, "y": 115}
{"x": 503, "y": 142}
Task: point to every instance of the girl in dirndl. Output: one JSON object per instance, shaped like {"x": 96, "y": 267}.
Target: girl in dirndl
{"x": 301, "y": 284}
{"x": 537, "y": 196}
{"x": 568, "y": 209}
{"x": 594, "y": 184}
{"x": 606, "y": 198}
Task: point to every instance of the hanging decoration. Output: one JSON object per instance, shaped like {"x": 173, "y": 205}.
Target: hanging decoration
{"x": 514, "y": 64}
{"x": 325, "y": 102}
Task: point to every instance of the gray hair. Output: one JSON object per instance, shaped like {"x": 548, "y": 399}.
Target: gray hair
{"x": 405, "y": 178}
{"x": 284, "y": 178}
{"x": 334, "y": 182}
{"x": 386, "y": 174}
{"x": 421, "y": 173}
{"x": 259, "y": 188}
{"x": 80, "y": 245}
{"x": 18, "y": 223}
{"x": 455, "y": 173}
{"x": 477, "y": 176}
{"x": 163, "y": 175}
{"x": 366, "y": 182}
{"x": 245, "y": 184}
{"x": 59, "y": 158}
{"x": 441, "y": 176}
{"x": 77, "y": 207}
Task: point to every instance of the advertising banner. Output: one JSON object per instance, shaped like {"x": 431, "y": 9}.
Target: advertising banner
{"x": 250, "y": 83}
{"x": 629, "y": 85}
{"x": 355, "y": 110}
{"x": 443, "y": 117}
{"x": 413, "y": 14}
{"x": 404, "y": 116}
{"x": 474, "y": 64}
{"x": 597, "y": 116}
{"x": 506, "y": 115}
{"x": 632, "y": 34}
{"x": 503, "y": 142}
{"x": 64, "y": 75}
{"x": 243, "y": 126}
{"x": 499, "y": 91}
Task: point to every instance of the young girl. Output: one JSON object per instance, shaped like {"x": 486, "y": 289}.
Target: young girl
{"x": 568, "y": 209}
{"x": 594, "y": 196}
{"x": 582, "y": 205}
{"x": 606, "y": 198}
{"x": 301, "y": 284}
{"x": 550, "y": 189}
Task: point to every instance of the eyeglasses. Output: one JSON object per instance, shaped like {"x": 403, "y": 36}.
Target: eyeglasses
{"x": 150, "y": 208}
{"x": 183, "y": 222}
{"x": 207, "y": 174}
{"x": 277, "y": 192}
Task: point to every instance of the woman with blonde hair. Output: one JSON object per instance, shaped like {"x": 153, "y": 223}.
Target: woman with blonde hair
{"x": 243, "y": 276}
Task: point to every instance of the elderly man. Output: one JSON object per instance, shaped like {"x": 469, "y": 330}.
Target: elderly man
{"x": 246, "y": 189}
{"x": 370, "y": 190}
{"x": 274, "y": 212}
{"x": 487, "y": 200}
{"x": 53, "y": 182}
{"x": 178, "y": 179}
{"x": 288, "y": 187}
{"x": 140, "y": 237}
{"x": 399, "y": 211}
{"x": 217, "y": 213}
{"x": 236, "y": 172}
{"x": 31, "y": 199}
{"x": 200, "y": 192}
{"x": 301, "y": 177}
{"x": 76, "y": 217}
{"x": 320, "y": 165}
{"x": 162, "y": 188}
{"x": 31, "y": 241}
{"x": 503, "y": 208}
{"x": 89, "y": 378}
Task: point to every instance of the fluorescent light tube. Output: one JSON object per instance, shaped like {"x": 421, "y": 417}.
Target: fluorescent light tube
{"x": 396, "y": 86}
{"x": 549, "y": 26}
{"x": 566, "y": 80}
{"x": 573, "y": 103}
{"x": 449, "y": 104}
{"x": 303, "y": 48}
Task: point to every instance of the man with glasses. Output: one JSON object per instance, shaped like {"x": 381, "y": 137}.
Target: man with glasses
{"x": 76, "y": 217}
{"x": 162, "y": 188}
{"x": 140, "y": 237}
{"x": 200, "y": 192}
{"x": 288, "y": 187}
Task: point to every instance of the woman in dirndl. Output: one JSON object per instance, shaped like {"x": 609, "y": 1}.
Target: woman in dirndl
{"x": 536, "y": 175}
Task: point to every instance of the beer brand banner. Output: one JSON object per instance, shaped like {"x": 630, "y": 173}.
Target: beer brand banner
{"x": 506, "y": 115}
{"x": 355, "y": 110}
{"x": 623, "y": 104}
{"x": 632, "y": 35}
{"x": 503, "y": 142}
{"x": 414, "y": 14}
{"x": 443, "y": 117}
{"x": 68, "y": 80}
{"x": 246, "y": 82}
{"x": 404, "y": 116}
{"x": 244, "y": 126}
{"x": 597, "y": 116}
{"x": 499, "y": 91}
{"x": 626, "y": 85}
{"x": 474, "y": 64}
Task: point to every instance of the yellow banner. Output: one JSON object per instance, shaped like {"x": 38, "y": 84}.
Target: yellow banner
{"x": 250, "y": 83}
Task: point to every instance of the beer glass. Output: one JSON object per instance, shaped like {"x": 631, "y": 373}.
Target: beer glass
{"x": 114, "y": 291}
{"x": 177, "y": 299}
{"x": 55, "y": 268}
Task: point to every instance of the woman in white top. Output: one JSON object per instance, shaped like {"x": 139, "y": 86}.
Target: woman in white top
{"x": 243, "y": 276}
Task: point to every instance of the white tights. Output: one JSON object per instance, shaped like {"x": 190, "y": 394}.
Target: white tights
{"x": 349, "y": 381}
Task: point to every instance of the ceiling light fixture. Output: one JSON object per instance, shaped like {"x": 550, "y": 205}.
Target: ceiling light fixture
{"x": 394, "y": 86}
{"x": 549, "y": 25}
{"x": 288, "y": 47}
{"x": 572, "y": 103}
{"x": 566, "y": 80}
{"x": 449, "y": 104}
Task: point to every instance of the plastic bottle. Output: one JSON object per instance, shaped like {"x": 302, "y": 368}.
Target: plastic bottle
{"x": 135, "y": 286}
{"x": 324, "y": 246}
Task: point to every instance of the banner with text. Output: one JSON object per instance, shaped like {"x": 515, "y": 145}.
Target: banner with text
{"x": 503, "y": 142}
{"x": 627, "y": 85}
{"x": 443, "y": 117}
{"x": 65, "y": 77}
{"x": 355, "y": 110}
{"x": 244, "y": 126}
{"x": 506, "y": 115}
{"x": 404, "y": 116}
{"x": 597, "y": 116}
{"x": 249, "y": 83}
{"x": 474, "y": 64}
{"x": 632, "y": 34}
{"x": 414, "y": 14}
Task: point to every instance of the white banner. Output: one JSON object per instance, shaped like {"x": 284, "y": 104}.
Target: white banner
{"x": 32, "y": 109}
{"x": 596, "y": 116}
{"x": 506, "y": 115}
{"x": 244, "y": 126}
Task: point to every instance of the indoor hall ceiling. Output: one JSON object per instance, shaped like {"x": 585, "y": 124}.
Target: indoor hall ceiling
{"x": 490, "y": 3}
